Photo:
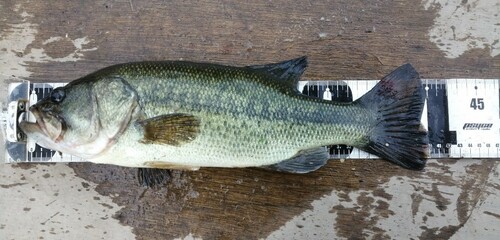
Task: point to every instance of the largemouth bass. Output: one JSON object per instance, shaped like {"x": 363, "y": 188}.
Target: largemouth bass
{"x": 186, "y": 115}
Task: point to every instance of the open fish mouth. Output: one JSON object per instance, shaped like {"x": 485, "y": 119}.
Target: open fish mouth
{"x": 47, "y": 124}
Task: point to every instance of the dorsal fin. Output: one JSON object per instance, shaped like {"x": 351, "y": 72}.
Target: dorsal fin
{"x": 286, "y": 71}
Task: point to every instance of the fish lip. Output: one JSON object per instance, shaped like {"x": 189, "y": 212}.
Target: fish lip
{"x": 40, "y": 121}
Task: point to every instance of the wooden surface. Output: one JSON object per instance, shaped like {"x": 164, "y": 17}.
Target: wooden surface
{"x": 343, "y": 40}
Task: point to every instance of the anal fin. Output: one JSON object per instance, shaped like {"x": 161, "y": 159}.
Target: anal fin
{"x": 303, "y": 162}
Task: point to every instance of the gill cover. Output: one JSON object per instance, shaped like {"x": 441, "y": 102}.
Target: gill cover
{"x": 116, "y": 104}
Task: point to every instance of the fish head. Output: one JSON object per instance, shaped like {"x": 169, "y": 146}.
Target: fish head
{"x": 64, "y": 119}
{"x": 83, "y": 118}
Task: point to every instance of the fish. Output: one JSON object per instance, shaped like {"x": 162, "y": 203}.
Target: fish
{"x": 188, "y": 115}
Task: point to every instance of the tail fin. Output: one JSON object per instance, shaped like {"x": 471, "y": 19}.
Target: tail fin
{"x": 397, "y": 102}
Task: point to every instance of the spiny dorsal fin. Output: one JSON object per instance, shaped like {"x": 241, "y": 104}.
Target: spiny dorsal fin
{"x": 172, "y": 129}
{"x": 286, "y": 71}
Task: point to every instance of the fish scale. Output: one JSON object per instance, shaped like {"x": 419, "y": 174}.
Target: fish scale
{"x": 339, "y": 88}
{"x": 188, "y": 93}
{"x": 285, "y": 124}
{"x": 236, "y": 116}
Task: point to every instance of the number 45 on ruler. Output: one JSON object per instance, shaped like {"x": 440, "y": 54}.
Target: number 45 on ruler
{"x": 473, "y": 108}
{"x": 477, "y": 103}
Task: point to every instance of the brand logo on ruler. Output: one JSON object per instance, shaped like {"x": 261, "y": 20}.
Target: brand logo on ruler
{"x": 477, "y": 126}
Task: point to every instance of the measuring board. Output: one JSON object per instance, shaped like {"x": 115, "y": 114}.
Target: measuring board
{"x": 17, "y": 147}
{"x": 461, "y": 115}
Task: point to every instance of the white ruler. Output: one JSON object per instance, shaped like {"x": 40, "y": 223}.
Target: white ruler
{"x": 17, "y": 147}
{"x": 462, "y": 116}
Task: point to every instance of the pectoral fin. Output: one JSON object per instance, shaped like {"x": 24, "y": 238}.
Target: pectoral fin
{"x": 303, "y": 162}
{"x": 172, "y": 129}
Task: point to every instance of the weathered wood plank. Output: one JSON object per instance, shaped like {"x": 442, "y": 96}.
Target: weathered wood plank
{"x": 252, "y": 203}
{"x": 61, "y": 40}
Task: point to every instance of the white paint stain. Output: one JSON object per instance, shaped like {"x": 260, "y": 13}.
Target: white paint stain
{"x": 49, "y": 201}
{"x": 189, "y": 237}
{"x": 484, "y": 222}
{"x": 16, "y": 55}
{"x": 317, "y": 223}
{"x": 402, "y": 222}
{"x": 12, "y": 46}
{"x": 53, "y": 203}
{"x": 78, "y": 43}
{"x": 429, "y": 213}
{"x": 463, "y": 25}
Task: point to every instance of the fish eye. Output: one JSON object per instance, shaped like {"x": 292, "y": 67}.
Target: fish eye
{"x": 57, "y": 95}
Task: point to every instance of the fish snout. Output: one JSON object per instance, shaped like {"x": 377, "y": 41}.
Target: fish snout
{"x": 34, "y": 108}
{"x": 42, "y": 108}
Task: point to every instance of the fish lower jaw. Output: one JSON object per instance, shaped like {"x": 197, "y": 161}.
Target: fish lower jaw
{"x": 88, "y": 151}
